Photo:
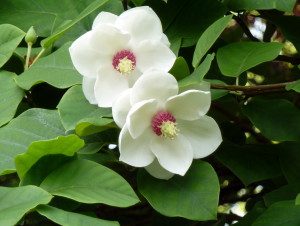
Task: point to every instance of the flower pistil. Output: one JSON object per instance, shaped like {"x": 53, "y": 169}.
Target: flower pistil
{"x": 124, "y": 61}
{"x": 164, "y": 124}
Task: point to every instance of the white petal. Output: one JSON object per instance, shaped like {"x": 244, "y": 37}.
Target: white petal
{"x": 140, "y": 117}
{"x": 109, "y": 86}
{"x": 203, "y": 134}
{"x": 121, "y": 107}
{"x": 141, "y": 22}
{"x": 134, "y": 76}
{"x": 88, "y": 89}
{"x": 154, "y": 54}
{"x": 190, "y": 105}
{"x": 164, "y": 39}
{"x": 85, "y": 59}
{"x": 104, "y": 17}
{"x": 135, "y": 152}
{"x": 156, "y": 170}
{"x": 109, "y": 40}
{"x": 175, "y": 155}
{"x": 154, "y": 84}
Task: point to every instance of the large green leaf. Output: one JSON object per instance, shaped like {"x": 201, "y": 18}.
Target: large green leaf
{"x": 261, "y": 159}
{"x": 66, "y": 26}
{"x": 66, "y": 218}
{"x": 90, "y": 183}
{"x": 15, "y": 202}
{"x": 280, "y": 213}
{"x": 289, "y": 160}
{"x": 207, "y": 39}
{"x": 298, "y": 199}
{"x": 295, "y": 86}
{"x": 194, "y": 196}
{"x": 56, "y": 69}
{"x": 283, "y": 5}
{"x": 288, "y": 25}
{"x": 235, "y": 58}
{"x": 77, "y": 113}
{"x": 180, "y": 69}
{"x": 11, "y": 96}
{"x": 10, "y": 38}
{"x": 277, "y": 119}
{"x": 67, "y": 145}
{"x": 32, "y": 125}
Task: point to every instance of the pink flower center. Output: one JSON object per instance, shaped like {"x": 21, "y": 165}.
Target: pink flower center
{"x": 164, "y": 124}
{"x": 124, "y": 62}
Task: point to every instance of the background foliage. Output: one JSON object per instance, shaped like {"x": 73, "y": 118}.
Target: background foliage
{"x": 57, "y": 162}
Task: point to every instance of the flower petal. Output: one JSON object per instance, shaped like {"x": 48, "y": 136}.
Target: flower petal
{"x": 121, "y": 107}
{"x": 84, "y": 58}
{"x": 109, "y": 86}
{"x": 189, "y": 105}
{"x": 88, "y": 89}
{"x": 140, "y": 117}
{"x": 154, "y": 54}
{"x": 109, "y": 40}
{"x": 175, "y": 155}
{"x": 164, "y": 39}
{"x": 104, "y": 17}
{"x": 203, "y": 134}
{"x": 154, "y": 84}
{"x": 156, "y": 170}
{"x": 135, "y": 152}
{"x": 141, "y": 22}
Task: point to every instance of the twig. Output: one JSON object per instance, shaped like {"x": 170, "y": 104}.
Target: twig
{"x": 124, "y": 2}
{"x": 292, "y": 60}
{"x": 245, "y": 28}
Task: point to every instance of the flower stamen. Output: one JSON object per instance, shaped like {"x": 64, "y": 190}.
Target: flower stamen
{"x": 164, "y": 124}
{"x": 124, "y": 61}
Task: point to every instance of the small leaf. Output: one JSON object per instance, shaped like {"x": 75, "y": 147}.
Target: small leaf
{"x": 66, "y": 218}
{"x": 11, "y": 96}
{"x": 76, "y": 112}
{"x": 235, "y": 58}
{"x": 180, "y": 68}
{"x": 15, "y": 202}
{"x": 298, "y": 199}
{"x": 56, "y": 69}
{"x": 90, "y": 183}
{"x": 277, "y": 119}
{"x": 193, "y": 196}
{"x": 10, "y": 38}
{"x": 32, "y": 125}
{"x": 295, "y": 86}
{"x": 207, "y": 39}
{"x": 197, "y": 76}
{"x": 67, "y": 145}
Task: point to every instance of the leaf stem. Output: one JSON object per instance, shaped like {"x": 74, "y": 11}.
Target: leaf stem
{"x": 29, "y": 47}
{"x": 38, "y": 56}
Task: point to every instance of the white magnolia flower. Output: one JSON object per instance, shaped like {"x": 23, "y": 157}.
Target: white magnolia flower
{"x": 117, "y": 50}
{"x": 161, "y": 130}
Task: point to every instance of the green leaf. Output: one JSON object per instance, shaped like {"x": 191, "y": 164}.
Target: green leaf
{"x": 66, "y": 26}
{"x": 283, "y": 5}
{"x": 67, "y": 145}
{"x": 235, "y": 58}
{"x": 207, "y": 39}
{"x": 280, "y": 213}
{"x": 32, "y": 125}
{"x": 261, "y": 159}
{"x": 193, "y": 196}
{"x": 10, "y": 38}
{"x": 180, "y": 68}
{"x": 217, "y": 93}
{"x": 90, "y": 183}
{"x": 197, "y": 76}
{"x": 66, "y": 218}
{"x": 15, "y": 202}
{"x": 298, "y": 199}
{"x": 56, "y": 69}
{"x": 11, "y": 96}
{"x": 288, "y": 25}
{"x": 277, "y": 119}
{"x": 287, "y": 192}
{"x": 289, "y": 160}
{"x": 295, "y": 86}
{"x": 77, "y": 113}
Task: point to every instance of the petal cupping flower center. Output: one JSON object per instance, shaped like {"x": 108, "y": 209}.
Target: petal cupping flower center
{"x": 124, "y": 61}
{"x": 164, "y": 124}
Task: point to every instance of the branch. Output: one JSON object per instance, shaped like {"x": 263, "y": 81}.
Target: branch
{"x": 292, "y": 60}
{"x": 255, "y": 90}
{"x": 124, "y": 2}
{"x": 245, "y": 28}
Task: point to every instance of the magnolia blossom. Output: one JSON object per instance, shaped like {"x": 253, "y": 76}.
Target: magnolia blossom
{"x": 118, "y": 49}
{"x": 162, "y": 130}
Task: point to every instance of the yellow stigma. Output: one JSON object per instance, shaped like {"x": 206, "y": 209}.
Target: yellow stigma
{"x": 125, "y": 66}
{"x": 169, "y": 129}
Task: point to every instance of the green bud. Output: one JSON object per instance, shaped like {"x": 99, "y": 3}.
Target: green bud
{"x": 30, "y": 37}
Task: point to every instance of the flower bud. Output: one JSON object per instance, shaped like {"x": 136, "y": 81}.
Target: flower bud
{"x": 31, "y": 36}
